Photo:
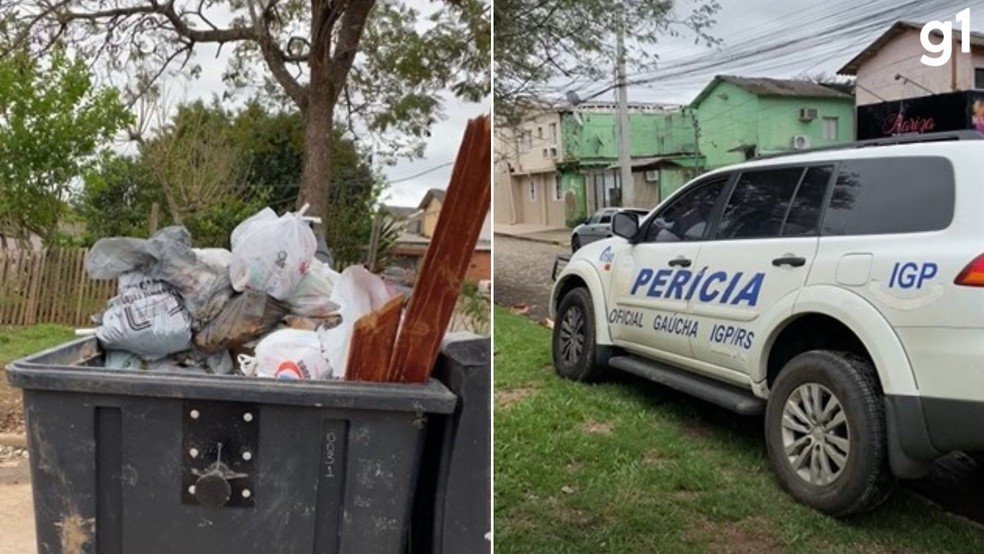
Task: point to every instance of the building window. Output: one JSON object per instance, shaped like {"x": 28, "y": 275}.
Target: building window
{"x": 979, "y": 78}
{"x": 546, "y": 153}
{"x": 532, "y": 191}
{"x": 529, "y": 139}
{"x": 553, "y": 152}
{"x": 830, "y": 128}
{"x": 539, "y": 133}
{"x": 553, "y": 132}
{"x": 558, "y": 194}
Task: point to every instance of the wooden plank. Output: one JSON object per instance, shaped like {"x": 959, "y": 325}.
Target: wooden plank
{"x": 5, "y": 292}
{"x": 82, "y": 287}
{"x": 373, "y": 340}
{"x": 59, "y": 288}
{"x": 465, "y": 207}
{"x": 34, "y": 293}
{"x": 43, "y": 309}
{"x": 25, "y": 267}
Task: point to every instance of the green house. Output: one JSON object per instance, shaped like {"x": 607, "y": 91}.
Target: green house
{"x": 663, "y": 146}
{"x": 741, "y": 117}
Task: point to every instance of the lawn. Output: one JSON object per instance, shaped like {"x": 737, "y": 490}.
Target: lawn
{"x": 17, "y": 342}
{"x": 631, "y": 467}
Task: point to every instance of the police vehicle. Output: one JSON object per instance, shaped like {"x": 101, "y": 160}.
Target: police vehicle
{"x": 837, "y": 291}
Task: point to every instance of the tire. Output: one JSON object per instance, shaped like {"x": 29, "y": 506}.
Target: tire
{"x": 575, "y": 244}
{"x": 857, "y": 479}
{"x": 575, "y": 360}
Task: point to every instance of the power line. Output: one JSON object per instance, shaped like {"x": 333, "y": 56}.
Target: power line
{"x": 422, "y": 173}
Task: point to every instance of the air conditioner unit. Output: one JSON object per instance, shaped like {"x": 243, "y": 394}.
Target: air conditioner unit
{"x": 652, "y": 176}
{"x": 808, "y": 114}
{"x": 801, "y": 142}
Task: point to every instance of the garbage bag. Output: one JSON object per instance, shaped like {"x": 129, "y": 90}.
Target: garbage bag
{"x": 358, "y": 292}
{"x": 287, "y": 354}
{"x": 312, "y": 295}
{"x": 312, "y": 323}
{"x": 271, "y": 254}
{"x": 247, "y": 316}
{"x": 201, "y": 277}
{"x": 120, "y": 359}
{"x": 145, "y": 318}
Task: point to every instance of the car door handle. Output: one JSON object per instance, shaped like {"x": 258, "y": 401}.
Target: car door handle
{"x": 794, "y": 261}
{"x": 679, "y": 262}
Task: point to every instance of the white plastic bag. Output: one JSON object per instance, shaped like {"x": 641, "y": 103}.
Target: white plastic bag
{"x": 271, "y": 254}
{"x": 146, "y": 318}
{"x": 312, "y": 296}
{"x": 358, "y": 292}
{"x": 287, "y": 354}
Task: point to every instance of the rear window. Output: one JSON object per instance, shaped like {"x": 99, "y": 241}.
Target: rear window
{"x": 891, "y": 195}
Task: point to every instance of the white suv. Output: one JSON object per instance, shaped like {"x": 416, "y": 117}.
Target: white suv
{"x": 837, "y": 291}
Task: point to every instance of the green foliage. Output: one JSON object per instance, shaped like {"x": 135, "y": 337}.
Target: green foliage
{"x": 116, "y": 199}
{"x": 221, "y": 167}
{"x": 54, "y": 125}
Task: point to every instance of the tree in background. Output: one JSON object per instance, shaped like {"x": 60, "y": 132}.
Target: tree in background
{"x": 219, "y": 167}
{"x": 365, "y": 62}
{"x": 543, "y": 44}
{"x": 54, "y": 126}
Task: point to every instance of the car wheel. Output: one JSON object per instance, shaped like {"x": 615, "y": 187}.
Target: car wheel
{"x": 825, "y": 433}
{"x": 575, "y": 243}
{"x": 574, "y": 338}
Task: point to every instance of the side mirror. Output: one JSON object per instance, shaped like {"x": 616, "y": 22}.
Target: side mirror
{"x": 625, "y": 224}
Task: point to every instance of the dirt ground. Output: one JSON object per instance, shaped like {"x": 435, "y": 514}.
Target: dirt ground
{"x": 11, "y": 413}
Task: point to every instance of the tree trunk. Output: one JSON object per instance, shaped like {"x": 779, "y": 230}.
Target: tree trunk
{"x": 318, "y": 137}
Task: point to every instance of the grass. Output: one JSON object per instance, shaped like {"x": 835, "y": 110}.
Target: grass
{"x": 630, "y": 467}
{"x": 17, "y": 342}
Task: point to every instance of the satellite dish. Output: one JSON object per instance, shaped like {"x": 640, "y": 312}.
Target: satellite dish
{"x": 572, "y": 98}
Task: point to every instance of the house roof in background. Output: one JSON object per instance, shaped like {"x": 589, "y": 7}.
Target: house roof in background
{"x": 899, "y": 27}
{"x": 399, "y": 212}
{"x": 767, "y": 86}
{"x": 432, "y": 194}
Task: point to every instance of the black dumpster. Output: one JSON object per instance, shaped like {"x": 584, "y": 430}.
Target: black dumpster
{"x": 173, "y": 462}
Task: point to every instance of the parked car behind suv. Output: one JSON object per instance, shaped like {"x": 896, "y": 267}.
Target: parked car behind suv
{"x": 597, "y": 227}
{"x": 838, "y": 292}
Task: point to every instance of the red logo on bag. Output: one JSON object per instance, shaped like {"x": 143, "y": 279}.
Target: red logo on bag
{"x": 288, "y": 370}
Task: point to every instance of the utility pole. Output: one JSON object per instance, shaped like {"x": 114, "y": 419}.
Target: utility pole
{"x": 624, "y": 147}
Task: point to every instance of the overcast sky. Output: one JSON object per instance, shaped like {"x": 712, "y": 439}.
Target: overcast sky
{"x": 775, "y": 38}
{"x": 441, "y": 147}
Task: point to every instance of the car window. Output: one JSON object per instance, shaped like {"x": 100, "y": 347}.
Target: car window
{"x": 891, "y": 195}
{"x": 596, "y": 217}
{"x": 687, "y": 217}
{"x": 606, "y": 217}
{"x": 758, "y": 203}
{"x": 804, "y": 215}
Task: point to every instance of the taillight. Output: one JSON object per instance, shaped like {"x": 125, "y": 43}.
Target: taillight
{"x": 973, "y": 274}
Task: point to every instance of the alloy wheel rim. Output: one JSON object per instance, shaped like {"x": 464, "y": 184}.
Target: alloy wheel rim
{"x": 816, "y": 436}
{"x": 572, "y": 335}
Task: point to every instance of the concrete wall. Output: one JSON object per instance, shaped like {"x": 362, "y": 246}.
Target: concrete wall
{"x": 965, "y": 65}
{"x": 779, "y": 121}
{"x": 429, "y": 220}
{"x": 731, "y": 117}
{"x": 902, "y": 55}
{"x": 531, "y": 138}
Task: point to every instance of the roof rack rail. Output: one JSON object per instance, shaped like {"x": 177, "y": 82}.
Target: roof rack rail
{"x": 910, "y": 138}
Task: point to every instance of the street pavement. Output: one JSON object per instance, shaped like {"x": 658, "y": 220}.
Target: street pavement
{"x": 522, "y": 281}
{"x": 522, "y": 273}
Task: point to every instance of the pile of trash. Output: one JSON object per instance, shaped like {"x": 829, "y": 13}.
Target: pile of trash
{"x": 267, "y": 308}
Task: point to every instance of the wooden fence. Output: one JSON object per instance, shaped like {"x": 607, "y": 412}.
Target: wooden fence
{"x": 49, "y": 286}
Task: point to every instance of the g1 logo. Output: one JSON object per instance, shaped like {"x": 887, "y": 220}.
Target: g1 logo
{"x": 944, "y": 48}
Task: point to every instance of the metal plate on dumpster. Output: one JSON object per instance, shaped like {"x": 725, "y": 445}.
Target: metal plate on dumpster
{"x": 219, "y": 443}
